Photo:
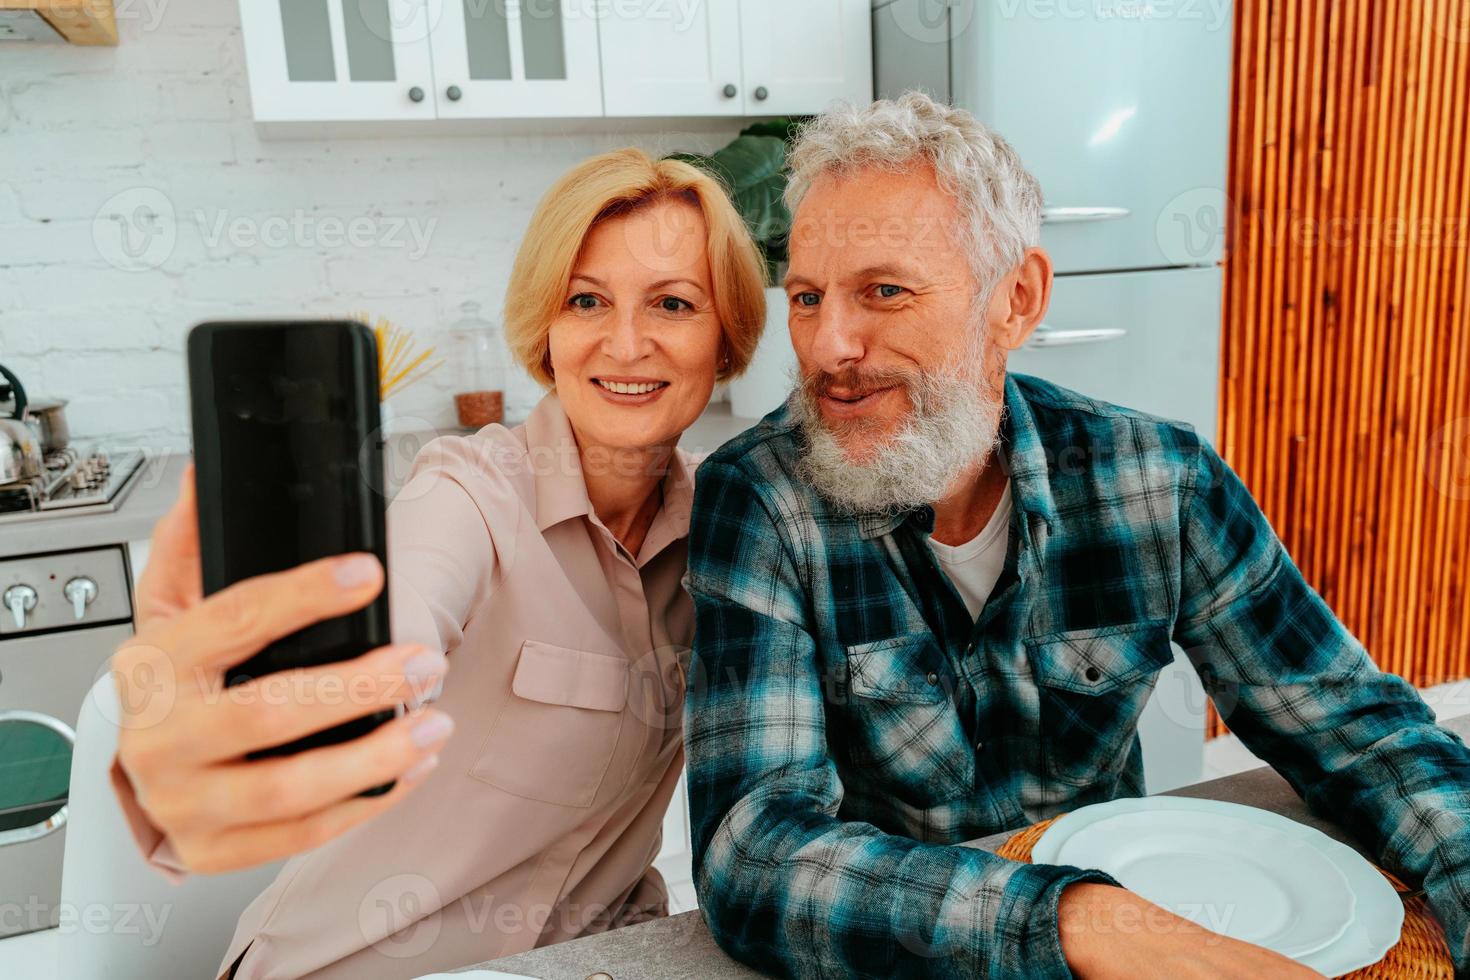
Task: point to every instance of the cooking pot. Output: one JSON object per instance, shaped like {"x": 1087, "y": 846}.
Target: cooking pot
{"x": 47, "y": 416}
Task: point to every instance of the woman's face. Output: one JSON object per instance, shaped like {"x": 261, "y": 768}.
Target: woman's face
{"x": 637, "y": 345}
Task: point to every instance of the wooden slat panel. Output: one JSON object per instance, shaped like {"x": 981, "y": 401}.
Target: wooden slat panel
{"x": 1345, "y": 368}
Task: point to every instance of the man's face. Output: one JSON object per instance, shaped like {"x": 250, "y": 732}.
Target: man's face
{"x": 902, "y": 349}
{"x": 881, "y": 293}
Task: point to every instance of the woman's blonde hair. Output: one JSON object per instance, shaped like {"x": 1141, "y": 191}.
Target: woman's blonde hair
{"x": 617, "y": 183}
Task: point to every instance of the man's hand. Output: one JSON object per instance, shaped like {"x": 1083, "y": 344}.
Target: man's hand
{"x": 1110, "y": 932}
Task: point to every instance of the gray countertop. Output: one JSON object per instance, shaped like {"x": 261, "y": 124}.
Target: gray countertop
{"x": 680, "y": 947}
{"x": 148, "y": 497}
{"x": 155, "y": 488}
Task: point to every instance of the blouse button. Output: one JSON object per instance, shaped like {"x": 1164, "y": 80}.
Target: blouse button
{"x": 932, "y": 678}
{"x": 1092, "y": 674}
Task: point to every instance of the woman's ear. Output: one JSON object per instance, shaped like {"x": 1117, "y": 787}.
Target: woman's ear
{"x": 1022, "y": 299}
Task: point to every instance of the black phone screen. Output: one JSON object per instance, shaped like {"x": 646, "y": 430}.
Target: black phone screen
{"x": 288, "y": 468}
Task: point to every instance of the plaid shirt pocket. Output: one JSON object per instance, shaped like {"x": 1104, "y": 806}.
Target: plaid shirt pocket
{"x": 901, "y": 725}
{"x": 1093, "y": 685}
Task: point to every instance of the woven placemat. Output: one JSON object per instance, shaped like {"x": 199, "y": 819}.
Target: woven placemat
{"x": 1421, "y": 954}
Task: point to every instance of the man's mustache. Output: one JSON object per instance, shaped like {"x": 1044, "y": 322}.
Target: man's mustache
{"x": 854, "y": 383}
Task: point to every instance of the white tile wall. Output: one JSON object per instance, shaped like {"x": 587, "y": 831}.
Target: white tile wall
{"x": 161, "y": 123}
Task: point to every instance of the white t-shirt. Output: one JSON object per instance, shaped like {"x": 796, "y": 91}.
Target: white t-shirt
{"x": 975, "y": 566}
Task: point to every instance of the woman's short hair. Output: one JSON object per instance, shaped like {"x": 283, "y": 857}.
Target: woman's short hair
{"x": 618, "y": 183}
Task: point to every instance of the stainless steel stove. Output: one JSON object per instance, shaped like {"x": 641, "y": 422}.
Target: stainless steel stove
{"x": 75, "y": 480}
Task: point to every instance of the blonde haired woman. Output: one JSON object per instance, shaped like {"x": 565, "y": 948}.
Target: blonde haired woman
{"x": 545, "y": 559}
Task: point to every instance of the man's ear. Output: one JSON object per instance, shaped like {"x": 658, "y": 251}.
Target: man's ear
{"x": 1022, "y": 299}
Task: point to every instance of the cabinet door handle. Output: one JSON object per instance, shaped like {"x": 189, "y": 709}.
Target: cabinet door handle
{"x": 760, "y": 93}
{"x": 415, "y": 94}
{"x": 453, "y": 93}
{"x": 1047, "y": 336}
{"x": 729, "y": 91}
{"x": 1061, "y": 216}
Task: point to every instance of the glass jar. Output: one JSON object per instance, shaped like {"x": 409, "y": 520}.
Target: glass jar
{"x": 480, "y": 355}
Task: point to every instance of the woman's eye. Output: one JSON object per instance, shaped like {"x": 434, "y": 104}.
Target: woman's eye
{"x": 673, "y": 304}
{"x": 888, "y": 290}
{"x": 583, "y": 301}
{"x": 807, "y": 299}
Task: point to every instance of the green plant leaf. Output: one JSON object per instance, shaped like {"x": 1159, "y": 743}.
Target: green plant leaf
{"x": 754, "y": 169}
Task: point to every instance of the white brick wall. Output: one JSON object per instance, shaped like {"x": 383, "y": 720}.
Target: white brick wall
{"x": 164, "y": 118}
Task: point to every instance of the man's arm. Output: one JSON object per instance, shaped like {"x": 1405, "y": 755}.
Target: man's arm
{"x": 783, "y": 883}
{"x": 1358, "y": 745}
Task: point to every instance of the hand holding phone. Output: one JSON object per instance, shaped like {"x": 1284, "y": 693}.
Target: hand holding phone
{"x": 185, "y": 750}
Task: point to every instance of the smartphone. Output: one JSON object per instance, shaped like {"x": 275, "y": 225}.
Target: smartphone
{"x": 288, "y": 468}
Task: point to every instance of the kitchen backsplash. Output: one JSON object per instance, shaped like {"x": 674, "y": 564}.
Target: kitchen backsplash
{"x": 143, "y": 159}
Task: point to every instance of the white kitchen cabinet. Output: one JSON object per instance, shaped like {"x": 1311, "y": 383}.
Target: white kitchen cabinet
{"x": 348, "y": 60}
{"x": 729, "y": 58}
{"x": 516, "y": 59}
{"x": 800, "y": 55}
{"x": 661, "y": 58}
{"x": 315, "y": 61}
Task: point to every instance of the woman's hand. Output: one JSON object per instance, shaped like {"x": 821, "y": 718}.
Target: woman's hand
{"x": 184, "y": 735}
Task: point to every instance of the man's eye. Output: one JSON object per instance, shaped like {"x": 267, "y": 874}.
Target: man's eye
{"x": 583, "y": 301}
{"x": 888, "y": 290}
{"x": 673, "y": 304}
{"x": 807, "y": 299}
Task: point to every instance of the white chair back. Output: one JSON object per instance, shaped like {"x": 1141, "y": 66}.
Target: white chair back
{"x": 121, "y": 919}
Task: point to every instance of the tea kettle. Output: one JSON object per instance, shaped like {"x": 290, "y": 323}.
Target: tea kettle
{"x": 20, "y": 450}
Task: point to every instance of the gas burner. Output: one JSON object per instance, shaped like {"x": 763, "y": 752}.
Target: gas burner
{"x": 72, "y": 482}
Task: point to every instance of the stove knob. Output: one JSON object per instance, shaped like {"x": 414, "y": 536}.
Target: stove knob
{"x": 20, "y": 599}
{"x": 80, "y": 591}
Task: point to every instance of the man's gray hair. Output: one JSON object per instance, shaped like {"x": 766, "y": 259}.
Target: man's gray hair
{"x": 1000, "y": 201}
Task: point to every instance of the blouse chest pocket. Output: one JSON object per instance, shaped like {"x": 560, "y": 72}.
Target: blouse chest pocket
{"x": 1093, "y": 687}
{"x": 557, "y": 733}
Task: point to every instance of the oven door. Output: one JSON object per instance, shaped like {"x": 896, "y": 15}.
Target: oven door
{"x": 43, "y": 680}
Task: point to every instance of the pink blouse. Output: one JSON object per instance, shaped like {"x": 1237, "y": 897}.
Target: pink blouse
{"x": 566, "y": 685}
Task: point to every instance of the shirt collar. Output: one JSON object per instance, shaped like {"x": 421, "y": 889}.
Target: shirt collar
{"x": 1021, "y": 454}
{"x": 561, "y": 490}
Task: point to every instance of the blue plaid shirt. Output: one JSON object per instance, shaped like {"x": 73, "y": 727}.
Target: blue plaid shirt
{"x": 849, "y": 723}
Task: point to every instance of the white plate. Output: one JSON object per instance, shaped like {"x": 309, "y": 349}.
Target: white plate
{"x": 1379, "y": 913}
{"x": 1258, "y": 884}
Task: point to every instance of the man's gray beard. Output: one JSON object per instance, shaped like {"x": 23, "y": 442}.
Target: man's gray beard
{"x": 953, "y": 425}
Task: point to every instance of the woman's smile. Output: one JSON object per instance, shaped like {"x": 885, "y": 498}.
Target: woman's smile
{"x": 622, "y": 390}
